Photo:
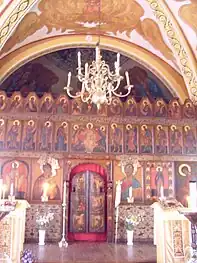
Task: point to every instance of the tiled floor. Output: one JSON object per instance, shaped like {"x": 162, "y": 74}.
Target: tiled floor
{"x": 85, "y": 252}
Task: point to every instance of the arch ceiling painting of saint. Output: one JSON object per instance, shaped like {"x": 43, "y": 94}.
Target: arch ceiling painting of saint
{"x": 49, "y": 73}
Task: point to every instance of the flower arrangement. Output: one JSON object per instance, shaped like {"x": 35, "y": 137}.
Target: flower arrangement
{"x": 132, "y": 221}
{"x": 27, "y": 256}
{"x": 43, "y": 220}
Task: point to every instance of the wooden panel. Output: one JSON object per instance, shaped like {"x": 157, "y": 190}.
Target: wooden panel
{"x": 78, "y": 204}
{"x": 97, "y": 203}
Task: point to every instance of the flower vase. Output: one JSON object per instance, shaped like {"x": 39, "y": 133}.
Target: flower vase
{"x": 42, "y": 237}
{"x": 130, "y": 237}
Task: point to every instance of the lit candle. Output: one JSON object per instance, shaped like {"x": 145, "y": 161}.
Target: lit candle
{"x": 64, "y": 194}
{"x": 97, "y": 54}
{"x": 79, "y": 59}
{"x": 11, "y": 189}
{"x": 188, "y": 202}
{"x": 127, "y": 78}
{"x": 116, "y": 68}
{"x": 86, "y": 70}
{"x": 45, "y": 189}
{"x": 118, "y": 193}
{"x": 130, "y": 192}
{"x": 118, "y": 60}
{"x": 1, "y": 187}
{"x": 193, "y": 194}
{"x": 69, "y": 79}
{"x": 161, "y": 192}
{"x": 4, "y": 190}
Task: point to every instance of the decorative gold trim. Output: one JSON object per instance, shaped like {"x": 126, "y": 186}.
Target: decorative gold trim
{"x": 13, "y": 19}
{"x": 179, "y": 45}
{"x": 169, "y": 76}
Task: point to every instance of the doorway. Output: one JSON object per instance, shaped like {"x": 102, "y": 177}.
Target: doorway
{"x": 87, "y": 206}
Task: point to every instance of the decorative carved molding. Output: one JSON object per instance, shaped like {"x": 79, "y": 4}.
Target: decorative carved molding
{"x": 179, "y": 45}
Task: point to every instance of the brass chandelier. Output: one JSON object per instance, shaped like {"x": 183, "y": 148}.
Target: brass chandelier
{"x": 98, "y": 83}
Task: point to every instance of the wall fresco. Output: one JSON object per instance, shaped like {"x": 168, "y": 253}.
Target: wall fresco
{"x": 16, "y": 172}
{"x": 130, "y": 180}
{"x": 184, "y": 173}
{"x": 157, "y": 175}
{"x": 43, "y": 174}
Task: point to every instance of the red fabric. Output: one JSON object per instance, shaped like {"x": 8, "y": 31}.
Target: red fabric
{"x": 88, "y": 167}
{"x": 87, "y": 236}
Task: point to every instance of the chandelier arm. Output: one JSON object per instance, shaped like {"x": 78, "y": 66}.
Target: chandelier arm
{"x": 113, "y": 89}
{"x": 81, "y": 77}
{"x": 123, "y": 95}
{"x": 72, "y": 96}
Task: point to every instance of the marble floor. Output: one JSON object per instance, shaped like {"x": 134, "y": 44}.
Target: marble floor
{"x": 86, "y": 252}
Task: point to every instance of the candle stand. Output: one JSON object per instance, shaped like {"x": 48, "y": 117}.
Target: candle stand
{"x": 191, "y": 215}
{"x": 63, "y": 242}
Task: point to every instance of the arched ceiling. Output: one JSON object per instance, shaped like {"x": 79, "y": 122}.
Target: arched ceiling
{"x": 167, "y": 29}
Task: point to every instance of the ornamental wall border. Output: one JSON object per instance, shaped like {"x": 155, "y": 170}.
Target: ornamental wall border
{"x": 100, "y": 120}
{"x": 103, "y": 157}
{"x": 179, "y": 45}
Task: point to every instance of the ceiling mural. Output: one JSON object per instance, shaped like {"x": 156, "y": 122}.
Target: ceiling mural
{"x": 132, "y": 21}
{"x": 185, "y": 12}
{"x": 3, "y": 4}
{"x": 49, "y": 74}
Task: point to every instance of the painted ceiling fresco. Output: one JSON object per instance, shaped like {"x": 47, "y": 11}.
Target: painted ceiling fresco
{"x": 132, "y": 21}
{"x": 49, "y": 74}
{"x": 3, "y": 4}
{"x": 185, "y": 12}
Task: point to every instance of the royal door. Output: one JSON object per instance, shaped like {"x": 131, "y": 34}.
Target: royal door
{"x": 87, "y": 211}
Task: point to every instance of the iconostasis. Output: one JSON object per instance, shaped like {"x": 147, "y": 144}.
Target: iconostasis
{"x": 157, "y": 134}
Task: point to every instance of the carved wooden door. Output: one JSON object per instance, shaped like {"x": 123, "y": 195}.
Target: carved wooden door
{"x": 88, "y": 206}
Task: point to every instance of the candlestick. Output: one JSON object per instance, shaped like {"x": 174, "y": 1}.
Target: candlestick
{"x": 11, "y": 189}
{"x": 193, "y": 194}
{"x": 130, "y": 192}
{"x": 63, "y": 242}
{"x": 64, "y": 195}
{"x": 118, "y": 193}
